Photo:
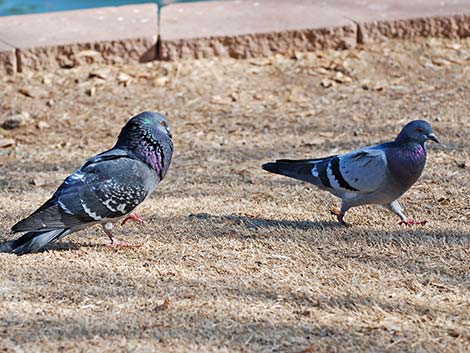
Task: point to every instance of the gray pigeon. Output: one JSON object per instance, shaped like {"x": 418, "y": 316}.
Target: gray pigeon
{"x": 371, "y": 175}
{"x": 105, "y": 189}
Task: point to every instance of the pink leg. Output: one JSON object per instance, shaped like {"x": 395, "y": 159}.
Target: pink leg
{"x": 411, "y": 222}
{"x": 337, "y": 212}
{"x": 132, "y": 217}
{"x": 114, "y": 241}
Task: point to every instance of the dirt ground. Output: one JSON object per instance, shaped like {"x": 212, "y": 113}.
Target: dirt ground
{"x": 234, "y": 259}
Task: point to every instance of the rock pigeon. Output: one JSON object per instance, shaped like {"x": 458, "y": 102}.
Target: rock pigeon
{"x": 377, "y": 174}
{"x": 106, "y": 189}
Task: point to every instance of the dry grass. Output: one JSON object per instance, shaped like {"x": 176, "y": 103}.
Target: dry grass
{"x": 233, "y": 258}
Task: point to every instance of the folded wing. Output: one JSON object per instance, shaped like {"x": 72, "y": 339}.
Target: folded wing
{"x": 103, "y": 189}
{"x": 361, "y": 171}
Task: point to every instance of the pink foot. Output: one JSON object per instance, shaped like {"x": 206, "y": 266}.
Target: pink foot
{"x": 411, "y": 222}
{"x": 132, "y": 217}
{"x": 343, "y": 223}
{"x": 337, "y": 212}
{"x": 119, "y": 243}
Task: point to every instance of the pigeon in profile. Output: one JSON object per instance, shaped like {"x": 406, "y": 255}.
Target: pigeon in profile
{"x": 377, "y": 174}
{"x": 105, "y": 189}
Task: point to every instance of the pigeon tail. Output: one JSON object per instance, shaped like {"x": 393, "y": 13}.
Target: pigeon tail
{"x": 32, "y": 241}
{"x": 297, "y": 169}
{"x": 272, "y": 168}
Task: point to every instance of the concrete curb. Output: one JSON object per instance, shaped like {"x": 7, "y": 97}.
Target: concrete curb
{"x": 7, "y": 59}
{"x": 454, "y": 26}
{"x": 260, "y": 44}
{"x": 71, "y": 55}
{"x": 108, "y": 35}
{"x": 243, "y": 29}
{"x": 238, "y": 29}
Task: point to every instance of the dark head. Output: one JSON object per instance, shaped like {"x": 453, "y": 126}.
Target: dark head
{"x": 147, "y": 136}
{"x": 147, "y": 126}
{"x": 417, "y": 131}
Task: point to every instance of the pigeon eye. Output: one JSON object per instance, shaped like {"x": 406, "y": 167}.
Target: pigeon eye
{"x": 163, "y": 123}
{"x": 419, "y": 130}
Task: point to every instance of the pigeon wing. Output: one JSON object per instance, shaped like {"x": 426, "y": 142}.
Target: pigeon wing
{"x": 362, "y": 171}
{"x": 109, "y": 188}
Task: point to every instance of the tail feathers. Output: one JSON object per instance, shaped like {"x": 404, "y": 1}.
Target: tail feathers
{"x": 32, "y": 241}
{"x": 297, "y": 169}
{"x": 271, "y": 167}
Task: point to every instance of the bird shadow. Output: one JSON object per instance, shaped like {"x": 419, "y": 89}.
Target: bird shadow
{"x": 419, "y": 234}
{"x": 256, "y": 222}
{"x": 64, "y": 247}
{"x": 71, "y": 246}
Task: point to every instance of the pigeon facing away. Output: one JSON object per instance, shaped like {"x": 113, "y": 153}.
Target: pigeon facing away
{"x": 105, "y": 189}
{"x": 371, "y": 175}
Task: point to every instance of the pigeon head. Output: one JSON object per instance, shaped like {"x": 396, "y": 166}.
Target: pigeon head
{"x": 147, "y": 127}
{"x": 147, "y": 136}
{"x": 416, "y": 131}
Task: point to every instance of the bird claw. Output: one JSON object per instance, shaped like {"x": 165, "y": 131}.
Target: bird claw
{"x": 337, "y": 212}
{"x": 411, "y": 222}
{"x": 119, "y": 243}
{"x": 132, "y": 217}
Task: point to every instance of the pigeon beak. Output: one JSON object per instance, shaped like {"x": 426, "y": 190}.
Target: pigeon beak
{"x": 433, "y": 137}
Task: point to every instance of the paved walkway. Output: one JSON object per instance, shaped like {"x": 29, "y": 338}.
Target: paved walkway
{"x": 241, "y": 28}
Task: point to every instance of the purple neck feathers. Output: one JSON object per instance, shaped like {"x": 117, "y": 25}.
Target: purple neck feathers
{"x": 406, "y": 162}
{"x": 152, "y": 157}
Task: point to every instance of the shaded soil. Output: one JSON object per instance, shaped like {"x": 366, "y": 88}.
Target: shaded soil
{"x": 235, "y": 259}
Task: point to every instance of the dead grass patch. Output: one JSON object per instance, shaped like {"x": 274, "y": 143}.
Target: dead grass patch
{"x": 233, "y": 258}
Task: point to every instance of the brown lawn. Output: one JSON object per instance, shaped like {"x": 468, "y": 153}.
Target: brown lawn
{"x": 234, "y": 259}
